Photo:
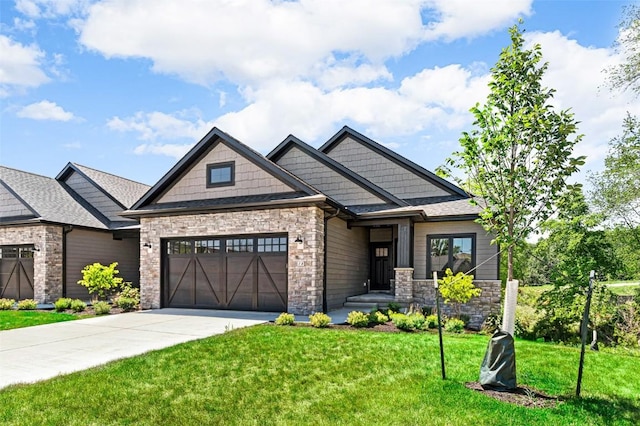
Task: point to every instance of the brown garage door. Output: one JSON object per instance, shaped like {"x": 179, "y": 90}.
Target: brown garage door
{"x": 16, "y": 272}
{"x": 242, "y": 273}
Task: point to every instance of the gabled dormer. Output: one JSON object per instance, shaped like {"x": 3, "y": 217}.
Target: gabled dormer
{"x": 386, "y": 169}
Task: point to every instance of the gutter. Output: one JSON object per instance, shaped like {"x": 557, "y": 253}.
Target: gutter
{"x": 65, "y": 230}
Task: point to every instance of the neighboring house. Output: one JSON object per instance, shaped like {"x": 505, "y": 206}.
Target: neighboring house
{"x": 303, "y": 229}
{"x": 51, "y": 228}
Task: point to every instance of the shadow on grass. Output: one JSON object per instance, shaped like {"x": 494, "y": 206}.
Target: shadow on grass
{"x": 610, "y": 409}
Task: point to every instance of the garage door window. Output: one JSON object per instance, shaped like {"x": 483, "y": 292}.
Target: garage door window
{"x": 272, "y": 245}
{"x": 240, "y": 245}
{"x": 207, "y": 246}
{"x": 179, "y": 247}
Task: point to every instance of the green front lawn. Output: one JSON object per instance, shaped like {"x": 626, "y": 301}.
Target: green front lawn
{"x": 18, "y": 319}
{"x": 299, "y": 375}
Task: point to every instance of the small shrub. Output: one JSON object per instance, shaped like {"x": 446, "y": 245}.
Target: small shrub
{"x": 427, "y": 310}
{"x": 6, "y": 304}
{"x": 78, "y": 305}
{"x": 101, "y": 308}
{"x": 285, "y": 319}
{"x": 431, "y": 321}
{"x": 62, "y": 304}
{"x": 492, "y": 323}
{"x": 414, "y": 321}
{"x": 377, "y": 317}
{"x": 319, "y": 320}
{"x": 465, "y": 319}
{"x": 358, "y": 319}
{"x": 128, "y": 298}
{"x": 27, "y": 305}
{"x": 393, "y": 307}
{"x": 454, "y": 325}
{"x": 100, "y": 279}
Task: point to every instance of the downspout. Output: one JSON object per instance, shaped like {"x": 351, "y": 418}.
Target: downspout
{"x": 324, "y": 273}
{"x": 65, "y": 230}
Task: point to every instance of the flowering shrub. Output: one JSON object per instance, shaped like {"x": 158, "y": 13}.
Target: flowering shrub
{"x": 319, "y": 320}
{"x": 285, "y": 319}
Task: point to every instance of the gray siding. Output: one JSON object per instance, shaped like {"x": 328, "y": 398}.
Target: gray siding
{"x": 10, "y": 206}
{"x": 250, "y": 179}
{"x": 95, "y": 197}
{"x": 327, "y": 180}
{"x": 484, "y": 249}
{"x": 85, "y": 247}
{"x": 347, "y": 262}
{"x": 382, "y": 171}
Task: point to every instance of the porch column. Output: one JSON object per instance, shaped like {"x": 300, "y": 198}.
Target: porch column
{"x": 404, "y": 269}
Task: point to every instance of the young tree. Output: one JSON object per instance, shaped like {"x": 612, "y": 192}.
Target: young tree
{"x": 457, "y": 289}
{"x": 627, "y": 74}
{"x": 519, "y": 156}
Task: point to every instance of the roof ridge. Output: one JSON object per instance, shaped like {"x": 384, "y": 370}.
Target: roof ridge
{"x": 110, "y": 174}
{"x": 26, "y": 172}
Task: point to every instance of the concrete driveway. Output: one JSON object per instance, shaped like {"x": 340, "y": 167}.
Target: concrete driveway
{"x": 37, "y": 353}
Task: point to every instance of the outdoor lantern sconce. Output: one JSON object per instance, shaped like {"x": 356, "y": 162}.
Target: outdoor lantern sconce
{"x": 298, "y": 239}
{"x": 35, "y": 249}
{"x": 148, "y": 245}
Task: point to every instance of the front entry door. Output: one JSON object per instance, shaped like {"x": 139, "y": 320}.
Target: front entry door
{"x": 381, "y": 266}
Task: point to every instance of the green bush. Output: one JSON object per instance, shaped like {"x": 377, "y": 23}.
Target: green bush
{"x": 62, "y": 304}
{"x": 457, "y": 289}
{"x": 526, "y": 320}
{"x": 358, "y": 319}
{"x": 492, "y": 323}
{"x": 393, "y": 307}
{"x": 454, "y": 325}
{"x": 285, "y": 319}
{"x": 101, "y": 308}
{"x": 431, "y": 321}
{"x": 100, "y": 279}
{"x": 465, "y": 319}
{"x": 27, "y": 305}
{"x": 414, "y": 321}
{"x": 427, "y": 310}
{"x": 78, "y": 305}
{"x": 6, "y": 304}
{"x": 319, "y": 320}
{"x": 128, "y": 298}
{"x": 377, "y": 317}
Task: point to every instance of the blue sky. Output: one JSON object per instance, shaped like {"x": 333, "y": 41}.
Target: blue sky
{"x": 127, "y": 86}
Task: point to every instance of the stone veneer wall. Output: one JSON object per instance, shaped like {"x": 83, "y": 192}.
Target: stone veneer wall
{"x": 478, "y": 308}
{"x": 47, "y": 263}
{"x": 305, "y": 263}
{"x": 403, "y": 285}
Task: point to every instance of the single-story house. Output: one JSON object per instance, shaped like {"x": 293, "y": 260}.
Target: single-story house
{"x": 303, "y": 229}
{"x": 51, "y": 228}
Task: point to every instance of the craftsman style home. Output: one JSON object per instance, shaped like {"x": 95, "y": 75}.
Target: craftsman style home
{"x": 301, "y": 230}
{"x": 304, "y": 229}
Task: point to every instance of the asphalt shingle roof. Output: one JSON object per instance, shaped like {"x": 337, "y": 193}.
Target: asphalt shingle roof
{"x": 126, "y": 191}
{"x": 50, "y": 200}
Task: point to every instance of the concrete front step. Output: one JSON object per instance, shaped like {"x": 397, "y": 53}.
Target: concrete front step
{"x": 363, "y": 306}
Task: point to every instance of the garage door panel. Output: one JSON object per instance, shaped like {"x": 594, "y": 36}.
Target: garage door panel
{"x": 16, "y": 272}
{"x": 226, "y": 273}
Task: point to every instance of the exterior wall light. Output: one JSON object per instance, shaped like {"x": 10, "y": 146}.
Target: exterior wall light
{"x": 148, "y": 245}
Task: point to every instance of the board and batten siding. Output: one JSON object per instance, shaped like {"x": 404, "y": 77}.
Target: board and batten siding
{"x": 10, "y": 206}
{"x": 250, "y": 179}
{"x": 85, "y": 247}
{"x": 347, "y": 262}
{"x": 327, "y": 180}
{"x": 484, "y": 249}
{"x": 382, "y": 171}
{"x": 105, "y": 205}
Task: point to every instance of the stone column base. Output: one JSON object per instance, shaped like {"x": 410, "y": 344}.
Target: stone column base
{"x": 404, "y": 285}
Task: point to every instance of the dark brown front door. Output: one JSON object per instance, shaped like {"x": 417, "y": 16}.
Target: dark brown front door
{"x": 242, "y": 273}
{"x": 381, "y": 266}
{"x": 16, "y": 272}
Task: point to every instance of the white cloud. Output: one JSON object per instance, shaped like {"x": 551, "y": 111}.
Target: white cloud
{"x": 158, "y": 125}
{"x": 253, "y": 41}
{"x": 171, "y": 150}
{"x": 20, "y": 66}
{"x": 45, "y": 110}
{"x": 468, "y": 19}
{"x": 49, "y": 8}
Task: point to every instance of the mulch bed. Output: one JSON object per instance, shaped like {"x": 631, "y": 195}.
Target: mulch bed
{"x": 88, "y": 311}
{"x": 522, "y": 395}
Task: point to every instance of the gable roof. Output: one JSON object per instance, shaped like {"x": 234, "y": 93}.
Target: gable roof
{"x": 292, "y": 141}
{"x": 215, "y": 136}
{"x": 47, "y": 199}
{"x": 122, "y": 191}
{"x": 392, "y": 156}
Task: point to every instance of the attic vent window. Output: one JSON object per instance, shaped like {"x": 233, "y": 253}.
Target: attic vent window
{"x": 220, "y": 174}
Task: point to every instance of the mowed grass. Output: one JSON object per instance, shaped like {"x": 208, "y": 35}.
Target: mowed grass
{"x": 299, "y": 375}
{"x": 18, "y": 319}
